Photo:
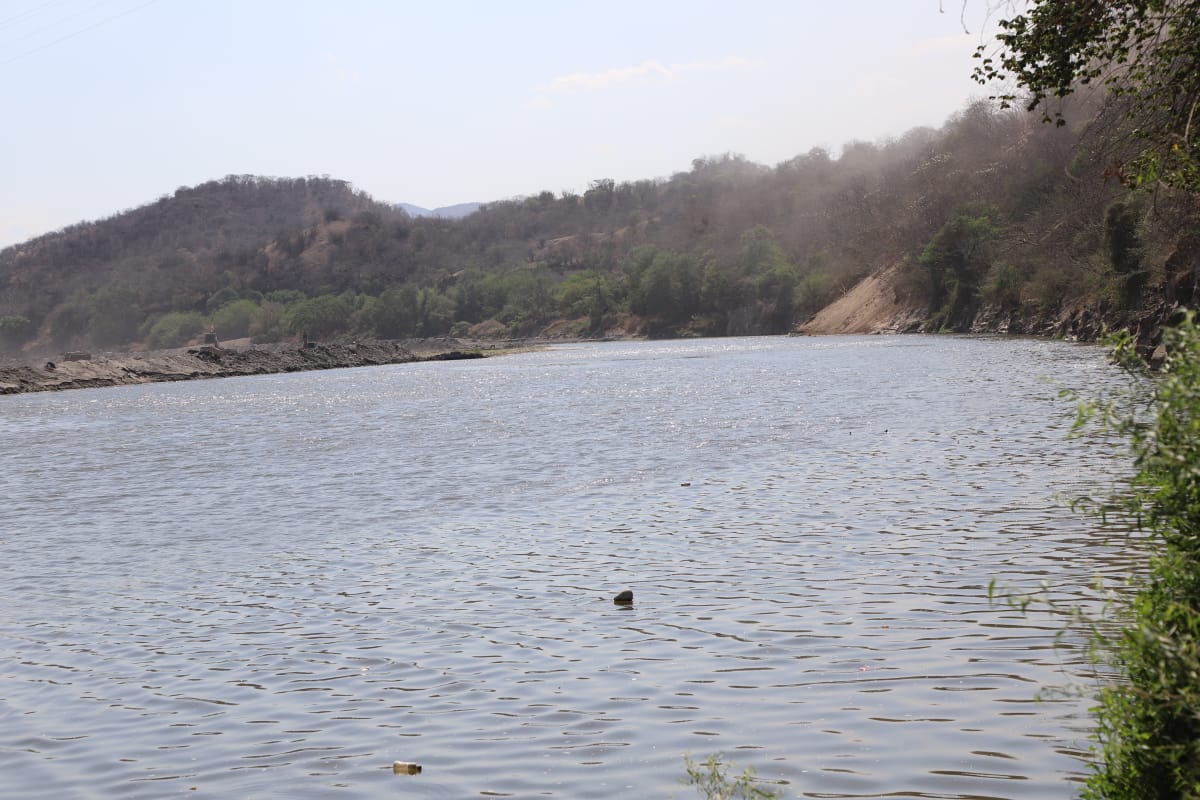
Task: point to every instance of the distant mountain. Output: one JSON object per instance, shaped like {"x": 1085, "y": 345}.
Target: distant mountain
{"x": 457, "y": 211}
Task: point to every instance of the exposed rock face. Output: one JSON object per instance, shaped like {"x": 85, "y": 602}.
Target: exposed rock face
{"x": 209, "y": 361}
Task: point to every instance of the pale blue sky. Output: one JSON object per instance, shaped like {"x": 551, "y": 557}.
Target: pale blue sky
{"x": 109, "y": 104}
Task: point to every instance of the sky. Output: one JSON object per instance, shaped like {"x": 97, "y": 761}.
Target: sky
{"x": 106, "y": 105}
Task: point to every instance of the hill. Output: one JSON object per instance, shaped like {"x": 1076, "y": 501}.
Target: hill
{"x": 456, "y": 211}
{"x": 993, "y": 221}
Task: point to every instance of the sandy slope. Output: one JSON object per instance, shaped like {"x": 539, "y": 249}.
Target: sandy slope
{"x": 874, "y": 305}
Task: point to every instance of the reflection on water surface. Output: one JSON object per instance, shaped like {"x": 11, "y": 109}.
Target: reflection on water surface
{"x": 277, "y": 586}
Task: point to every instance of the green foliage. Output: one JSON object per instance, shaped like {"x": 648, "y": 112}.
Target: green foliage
{"x": 600, "y": 195}
{"x": 777, "y": 290}
{"x": 67, "y": 322}
{"x": 320, "y": 317}
{"x": 270, "y": 323}
{"x": 1149, "y": 725}
{"x": 285, "y": 297}
{"x": 221, "y": 298}
{"x": 664, "y": 285}
{"x": 712, "y": 780}
{"x": 955, "y": 260}
{"x": 720, "y": 288}
{"x": 436, "y": 313}
{"x": 1141, "y": 51}
{"x": 235, "y": 319}
{"x": 759, "y": 251}
{"x": 528, "y": 297}
{"x": 397, "y": 315}
{"x": 1123, "y": 252}
{"x": 1002, "y": 286}
{"x": 1049, "y": 285}
{"x": 815, "y": 290}
{"x": 174, "y": 329}
{"x": 15, "y": 330}
{"x": 470, "y": 302}
{"x": 115, "y": 317}
{"x": 584, "y": 294}
{"x": 108, "y": 317}
{"x": 1121, "y": 241}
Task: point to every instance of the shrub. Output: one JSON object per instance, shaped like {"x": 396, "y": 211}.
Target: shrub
{"x": 1148, "y": 726}
{"x": 1002, "y": 286}
{"x": 712, "y": 780}
{"x": 174, "y": 329}
{"x": 115, "y": 315}
{"x": 320, "y": 317}
{"x": 15, "y": 330}
{"x": 235, "y": 319}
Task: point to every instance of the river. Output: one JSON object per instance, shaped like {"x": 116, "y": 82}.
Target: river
{"x": 276, "y": 586}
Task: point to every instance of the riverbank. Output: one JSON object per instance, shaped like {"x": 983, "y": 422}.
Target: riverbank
{"x": 880, "y": 303}
{"x": 87, "y": 370}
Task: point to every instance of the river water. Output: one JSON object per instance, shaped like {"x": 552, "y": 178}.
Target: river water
{"x": 276, "y": 586}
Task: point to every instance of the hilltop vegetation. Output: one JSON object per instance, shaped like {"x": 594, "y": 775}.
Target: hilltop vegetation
{"x": 993, "y": 221}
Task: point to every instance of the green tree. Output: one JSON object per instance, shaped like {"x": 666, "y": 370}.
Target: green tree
{"x": 1121, "y": 239}
{"x": 586, "y": 294}
{"x": 221, "y": 298}
{"x": 285, "y": 297}
{"x": 663, "y": 284}
{"x": 436, "y": 312}
{"x": 175, "y": 329}
{"x": 777, "y": 289}
{"x": 528, "y": 296}
{"x": 600, "y": 195}
{"x": 320, "y": 317}
{"x": 468, "y": 296}
{"x": 15, "y": 330}
{"x": 1141, "y": 51}
{"x": 816, "y": 287}
{"x": 67, "y": 322}
{"x": 396, "y": 314}
{"x": 955, "y": 260}
{"x": 655, "y": 295}
{"x": 115, "y": 316}
{"x": 1123, "y": 246}
{"x": 759, "y": 252}
{"x": 718, "y": 289}
{"x": 270, "y": 324}
{"x": 235, "y": 319}
{"x": 1002, "y": 286}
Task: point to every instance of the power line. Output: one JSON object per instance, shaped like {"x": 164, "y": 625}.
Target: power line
{"x": 73, "y": 34}
{"x": 29, "y": 12}
{"x": 57, "y": 24}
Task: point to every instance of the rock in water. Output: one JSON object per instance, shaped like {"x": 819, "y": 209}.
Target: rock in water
{"x": 624, "y": 597}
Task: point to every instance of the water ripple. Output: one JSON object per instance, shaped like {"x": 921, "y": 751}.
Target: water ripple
{"x": 276, "y": 586}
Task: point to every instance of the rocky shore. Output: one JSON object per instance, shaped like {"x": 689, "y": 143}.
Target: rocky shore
{"x": 87, "y": 370}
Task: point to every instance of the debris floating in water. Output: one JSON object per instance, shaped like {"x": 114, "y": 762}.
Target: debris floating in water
{"x": 406, "y": 768}
{"x": 624, "y": 597}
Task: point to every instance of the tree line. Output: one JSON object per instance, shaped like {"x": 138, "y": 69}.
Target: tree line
{"x": 993, "y": 211}
{"x": 669, "y": 292}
